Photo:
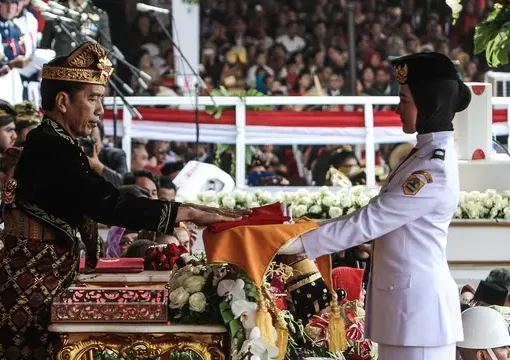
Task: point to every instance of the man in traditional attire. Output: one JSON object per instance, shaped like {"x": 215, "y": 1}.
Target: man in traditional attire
{"x": 409, "y": 221}
{"x": 53, "y": 193}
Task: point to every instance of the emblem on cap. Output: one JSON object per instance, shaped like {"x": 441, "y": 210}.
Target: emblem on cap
{"x": 401, "y": 73}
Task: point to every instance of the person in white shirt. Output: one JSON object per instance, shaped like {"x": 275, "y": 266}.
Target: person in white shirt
{"x": 486, "y": 335}
{"x": 409, "y": 222}
{"x": 292, "y": 41}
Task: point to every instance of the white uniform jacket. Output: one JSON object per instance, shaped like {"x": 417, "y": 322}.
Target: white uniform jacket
{"x": 412, "y": 298}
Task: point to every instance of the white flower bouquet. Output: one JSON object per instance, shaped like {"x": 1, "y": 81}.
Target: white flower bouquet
{"x": 326, "y": 204}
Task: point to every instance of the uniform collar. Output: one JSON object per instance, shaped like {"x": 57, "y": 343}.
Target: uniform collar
{"x": 59, "y": 130}
{"x": 430, "y": 141}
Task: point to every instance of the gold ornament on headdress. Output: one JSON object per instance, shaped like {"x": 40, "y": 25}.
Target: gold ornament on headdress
{"x": 401, "y": 73}
{"x": 87, "y": 64}
{"x": 3, "y": 113}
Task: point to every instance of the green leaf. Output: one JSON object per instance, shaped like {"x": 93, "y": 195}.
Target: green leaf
{"x": 218, "y": 113}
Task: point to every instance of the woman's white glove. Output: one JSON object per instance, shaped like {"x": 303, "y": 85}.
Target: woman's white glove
{"x": 293, "y": 247}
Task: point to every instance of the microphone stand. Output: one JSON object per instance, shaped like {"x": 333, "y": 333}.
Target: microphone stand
{"x": 199, "y": 80}
{"x": 134, "y": 112}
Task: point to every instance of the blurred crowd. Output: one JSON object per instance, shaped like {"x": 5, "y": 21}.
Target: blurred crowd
{"x": 301, "y": 47}
{"x": 279, "y": 47}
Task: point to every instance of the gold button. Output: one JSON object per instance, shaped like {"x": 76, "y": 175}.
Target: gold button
{"x": 324, "y": 290}
{"x": 309, "y": 296}
{"x": 308, "y": 315}
{"x": 313, "y": 283}
{"x": 73, "y": 33}
{"x": 298, "y": 291}
{"x": 73, "y": 44}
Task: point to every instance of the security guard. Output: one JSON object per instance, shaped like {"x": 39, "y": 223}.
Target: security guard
{"x": 413, "y": 302}
{"x": 94, "y": 23}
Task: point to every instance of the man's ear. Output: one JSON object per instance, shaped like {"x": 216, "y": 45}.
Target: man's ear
{"x": 481, "y": 355}
{"x": 62, "y": 102}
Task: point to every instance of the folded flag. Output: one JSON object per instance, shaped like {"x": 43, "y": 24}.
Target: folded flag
{"x": 265, "y": 215}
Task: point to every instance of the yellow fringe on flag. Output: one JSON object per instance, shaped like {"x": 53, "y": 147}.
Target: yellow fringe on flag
{"x": 282, "y": 342}
{"x": 337, "y": 337}
{"x": 264, "y": 321}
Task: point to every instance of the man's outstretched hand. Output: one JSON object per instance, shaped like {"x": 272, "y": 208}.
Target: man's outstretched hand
{"x": 204, "y": 215}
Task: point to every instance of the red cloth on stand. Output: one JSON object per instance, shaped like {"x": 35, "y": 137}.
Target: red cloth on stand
{"x": 114, "y": 266}
{"x": 350, "y": 280}
{"x": 265, "y": 215}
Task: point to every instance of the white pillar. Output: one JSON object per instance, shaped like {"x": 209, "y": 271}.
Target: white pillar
{"x": 473, "y": 126}
{"x": 186, "y": 35}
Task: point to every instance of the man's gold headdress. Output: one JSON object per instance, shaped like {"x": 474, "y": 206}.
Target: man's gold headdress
{"x": 87, "y": 64}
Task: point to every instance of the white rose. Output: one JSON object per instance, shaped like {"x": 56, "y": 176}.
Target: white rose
{"x": 462, "y": 196}
{"x": 197, "y": 302}
{"x": 327, "y": 201}
{"x": 373, "y": 193}
{"x": 357, "y": 190}
{"x": 300, "y": 211}
{"x": 493, "y": 214}
{"x": 266, "y": 197}
{"x": 335, "y": 212}
{"x": 254, "y": 205}
{"x": 315, "y": 209}
{"x": 506, "y": 211}
{"x": 305, "y": 200}
{"x": 351, "y": 210}
{"x": 240, "y": 196}
{"x": 228, "y": 202}
{"x": 212, "y": 204}
{"x": 178, "y": 298}
{"x": 209, "y": 197}
{"x": 506, "y": 193}
{"x": 194, "y": 284}
{"x": 458, "y": 213}
{"x": 363, "y": 200}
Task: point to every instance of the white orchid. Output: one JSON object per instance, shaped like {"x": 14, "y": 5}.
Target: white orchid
{"x": 456, "y": 7}
{"x": 258, "y": 347}
{"x": 246, "y": 311}
{"x": 232, "y": 288}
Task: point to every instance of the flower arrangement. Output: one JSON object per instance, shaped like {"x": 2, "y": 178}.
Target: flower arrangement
{"x": 163, "y": 257}
{"x": 326, "y": 204}
{"x": 484, "y": 205}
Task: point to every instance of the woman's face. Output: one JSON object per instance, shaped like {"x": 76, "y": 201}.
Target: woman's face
{"x": 145, "y": 61}
{"x": 305, "y": 81}
{"x": 127, "y": 239}
{"x": 349, "y": 166}
{"x": 407, "y": 110}
{"x": 368, "y": 75}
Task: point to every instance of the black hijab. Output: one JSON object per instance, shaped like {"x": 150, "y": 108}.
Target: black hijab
{"x": 437, "y": 91}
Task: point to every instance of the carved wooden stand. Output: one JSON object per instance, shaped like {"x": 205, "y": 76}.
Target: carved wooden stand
{"x": 79, "y": 340}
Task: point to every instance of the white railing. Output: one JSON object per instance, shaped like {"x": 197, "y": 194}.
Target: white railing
{"x": 240, "y": 105}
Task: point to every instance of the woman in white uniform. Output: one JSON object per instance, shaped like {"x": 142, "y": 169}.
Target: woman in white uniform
{"x": 413, "y": 305}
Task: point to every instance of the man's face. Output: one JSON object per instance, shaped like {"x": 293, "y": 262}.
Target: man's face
{"x": 167, "y": 194}
{"x": 382, "y": 78}
{"x": 127, "y": 239}
{"x": 149, "y": 185}
{"x": 82, "y": 113}
{"x": 407, "y": 110}
{"x": 8, "y": 10}
{"x": 7, "y": 136}
{"x": 335, "y": 82}
{"x": 140, "y": 158}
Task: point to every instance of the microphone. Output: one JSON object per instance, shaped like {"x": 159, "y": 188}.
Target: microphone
{"x": 56, "y": 5}
{"x": 151, "y": 9}
{"x": 49, "y": 16}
